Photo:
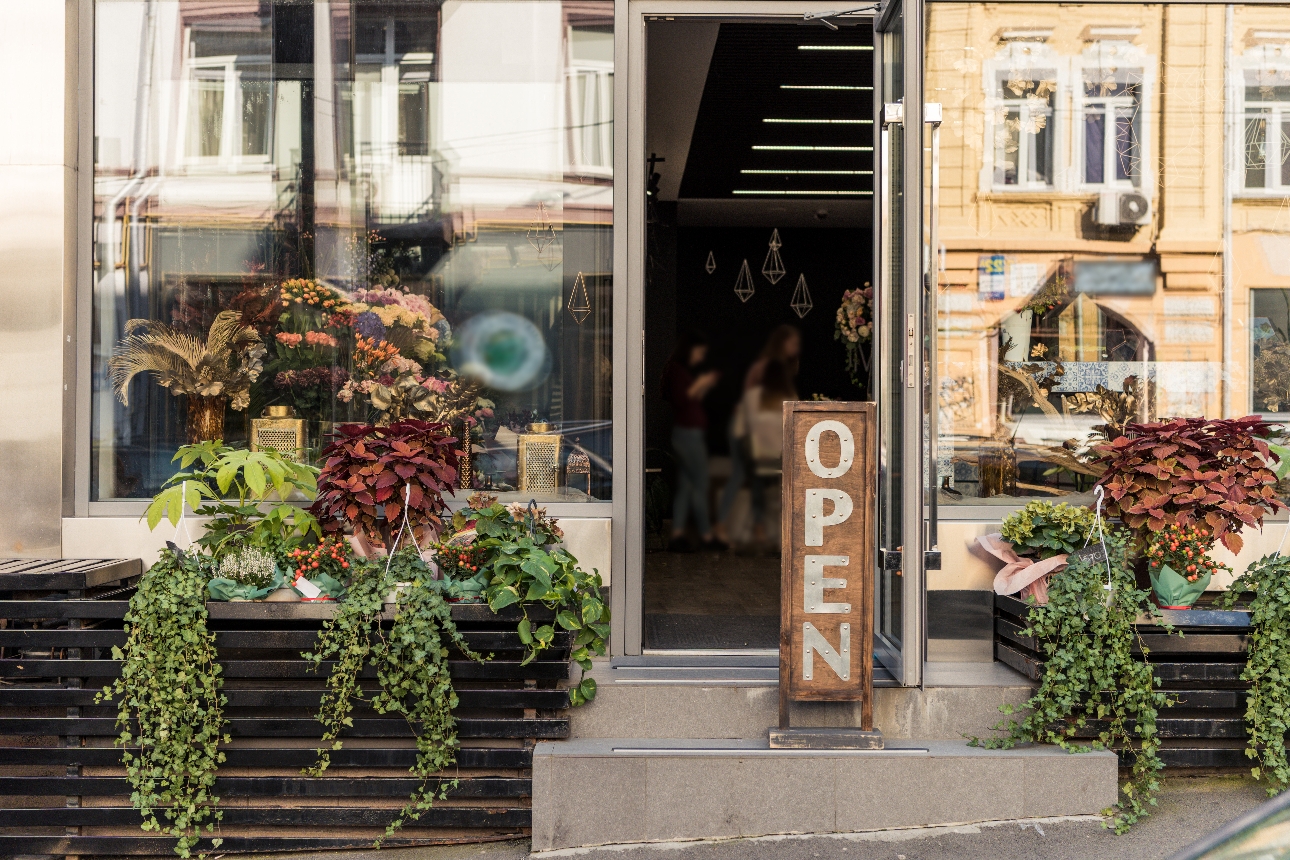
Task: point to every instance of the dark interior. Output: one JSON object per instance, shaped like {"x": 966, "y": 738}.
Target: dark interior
{"x": 724, "y": 182}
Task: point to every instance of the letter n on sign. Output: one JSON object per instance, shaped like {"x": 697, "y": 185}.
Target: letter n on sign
{"x": 826, "y": 584}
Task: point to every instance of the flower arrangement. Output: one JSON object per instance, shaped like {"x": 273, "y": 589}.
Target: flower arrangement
{"x": 1043, "y": 529}
{"x": 855, "y": 329}
{"x": 213, "y": 374}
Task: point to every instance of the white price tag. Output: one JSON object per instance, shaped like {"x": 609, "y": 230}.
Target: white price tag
{"x": 307, "y": 588}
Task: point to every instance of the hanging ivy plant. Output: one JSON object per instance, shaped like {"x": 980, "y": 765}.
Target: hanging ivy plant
{"x": 1087, "y": 635}
{"x": 1267, "y": 667}
{"x": 170, "y": 702}
{"x": 521, "y": 562}
{"x": 412, "y": 670}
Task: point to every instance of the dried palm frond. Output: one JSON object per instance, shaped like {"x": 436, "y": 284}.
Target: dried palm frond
{"x": 224, "y": 366}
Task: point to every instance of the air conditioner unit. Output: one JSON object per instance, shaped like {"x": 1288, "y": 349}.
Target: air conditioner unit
{"x": 1123, "y": 208}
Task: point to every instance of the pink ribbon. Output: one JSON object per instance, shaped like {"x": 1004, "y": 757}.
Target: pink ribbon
{"x": 1020, "y": 574}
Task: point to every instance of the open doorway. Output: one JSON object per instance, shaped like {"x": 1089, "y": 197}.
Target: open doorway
{"x": 759, "y": 218}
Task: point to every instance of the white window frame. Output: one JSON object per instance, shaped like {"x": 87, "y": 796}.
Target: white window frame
{"x": 1109, "y": 107}
{"x": 1031, "y": 59}
{"x": 230, "y": 154}
{"x": 1271, "y": 57}
{"x": 589, "y": 88}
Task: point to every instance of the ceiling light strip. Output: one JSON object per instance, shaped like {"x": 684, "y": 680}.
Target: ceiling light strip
{"x": 822, "y": 121}
{"x": 787, "y": 148}
{"x": 813, "y": 172}
{"x": 809, "y": 193}
{"x": 822, "y": 87}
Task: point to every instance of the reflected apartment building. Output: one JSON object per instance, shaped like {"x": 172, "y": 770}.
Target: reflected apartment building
{"x": 1114, "y": 243}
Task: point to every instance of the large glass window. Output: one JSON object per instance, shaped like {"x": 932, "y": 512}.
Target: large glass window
{"x": 1121, "y": 291}
{"x": 406, "y": 207}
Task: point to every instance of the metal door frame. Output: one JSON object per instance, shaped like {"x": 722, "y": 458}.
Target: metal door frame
{"x": 904, "y": 659}
{"x": 630, "y": 17}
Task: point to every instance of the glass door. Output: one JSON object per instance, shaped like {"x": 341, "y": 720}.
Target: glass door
{"x": 899, "y": 355}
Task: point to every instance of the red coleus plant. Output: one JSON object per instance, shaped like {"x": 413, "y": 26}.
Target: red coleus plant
{"x": 368, "y": 471}
{"x": 1192, "y": 470}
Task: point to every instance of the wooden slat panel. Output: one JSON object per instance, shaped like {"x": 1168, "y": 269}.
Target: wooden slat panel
{"x": 518, "y": 697}
{"x": 290, "y": 816}
{"x": 467, "y": 757}
{"x": 482, "y": 641}
{"x": 391, "y": 727}
{"x": 1027, "y": 666}
{"x": 463, "y": 669}
{"x": 152, "y": 846}
{"x": 273, "y": 786}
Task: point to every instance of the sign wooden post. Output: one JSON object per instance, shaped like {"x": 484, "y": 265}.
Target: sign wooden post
{"x": 826, "y": 579}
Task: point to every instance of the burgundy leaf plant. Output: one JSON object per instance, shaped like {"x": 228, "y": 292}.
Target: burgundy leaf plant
{"x": 368, "y": 471}
{"x": 1189, "y": 471}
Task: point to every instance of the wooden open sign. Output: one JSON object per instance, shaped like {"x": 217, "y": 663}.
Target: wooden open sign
{"x": 826, "y": 582}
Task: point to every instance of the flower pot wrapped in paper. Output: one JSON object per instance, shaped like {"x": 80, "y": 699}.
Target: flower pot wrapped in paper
{"x": 1175, "y": 591}
{"x": 1179, "y": 564}
{"x": 1034, "y": 544}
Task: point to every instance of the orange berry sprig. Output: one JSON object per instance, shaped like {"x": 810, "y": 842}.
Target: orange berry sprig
{"x": 1185, "y": 549}
{"x": 331, "y": 556}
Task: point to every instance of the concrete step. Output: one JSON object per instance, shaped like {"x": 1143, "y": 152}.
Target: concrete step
{"x": 732, "y": 698}
{"x": 668, "y": 789}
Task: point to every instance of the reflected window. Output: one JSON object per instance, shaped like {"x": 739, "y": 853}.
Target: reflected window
{"x": 1266, "y": 141}
{"x": 1112, "y": 134}
{"x": 409, "y": 208}
{"x": 1270, "y": 351}
{"x": 1023, "y": 136}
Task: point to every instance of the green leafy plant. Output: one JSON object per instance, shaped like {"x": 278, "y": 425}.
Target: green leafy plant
{"x": 519, "y": 551}
{"x": 170, "y": 703}
{"x": 1091, "y": 676}
{"x": 369, "y": 471}
{"x": 1267, "y": 666}
{"x": 1043, "y": 530}
{"x": 1192, "y": 470}
{"x": 412, "y": 670}
{"x": 228, "y": 485}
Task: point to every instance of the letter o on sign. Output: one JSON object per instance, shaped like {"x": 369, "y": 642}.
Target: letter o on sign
{"x": 846, "y": 455}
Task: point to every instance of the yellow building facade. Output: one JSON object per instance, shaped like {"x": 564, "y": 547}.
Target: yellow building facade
{"x": 1113, "y": 238}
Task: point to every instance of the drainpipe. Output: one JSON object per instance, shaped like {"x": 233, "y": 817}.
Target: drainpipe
{"x": 1229, "y": 165}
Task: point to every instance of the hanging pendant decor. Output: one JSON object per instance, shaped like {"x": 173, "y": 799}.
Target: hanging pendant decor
{"x": 579, "y": 301}
{"x": 773, "y": 268}
{"x": 744, "y": 283}
{"x": 541, "y": 234}
{"x": 801, "y": 303}
{"x": 711, "y": 265}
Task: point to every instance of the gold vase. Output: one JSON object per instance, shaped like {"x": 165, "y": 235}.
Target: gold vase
{"x": 998, "y": 465}
{"x": 205, "y": 418}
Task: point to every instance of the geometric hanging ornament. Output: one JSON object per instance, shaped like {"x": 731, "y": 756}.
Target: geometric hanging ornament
{"x": 711, "y": 265}
{"x": 541, "y": 233}
{"x": 801, "y": 302}
{"x": 579, "y": 301}
{"x": 773, "y": 268}
{"x": 744, "y": 283}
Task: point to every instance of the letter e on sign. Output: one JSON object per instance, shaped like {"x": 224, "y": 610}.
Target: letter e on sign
{"x": 830, "y": 480}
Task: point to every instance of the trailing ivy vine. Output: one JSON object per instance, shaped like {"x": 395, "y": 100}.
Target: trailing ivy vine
{"x": 1091, "y": 674}
{"x": 412, "y": 670}
{"x": 1267, "y": 667}
{"x": 170, "y": 702}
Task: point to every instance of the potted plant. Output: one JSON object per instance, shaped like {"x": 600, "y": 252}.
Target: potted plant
{"x": 1034, "y": 543}
{"x": 1188, "y": 471}
{"x": 213, "y": 375}
{"x": 1179, "y": 564}
{"x": 373, "y": 477}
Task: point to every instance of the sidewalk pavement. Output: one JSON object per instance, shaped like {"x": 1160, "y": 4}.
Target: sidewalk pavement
{"x": 1189, "y": 807}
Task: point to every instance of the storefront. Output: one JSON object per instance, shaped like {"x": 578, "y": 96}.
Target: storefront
{"x": 1090, "y": 228}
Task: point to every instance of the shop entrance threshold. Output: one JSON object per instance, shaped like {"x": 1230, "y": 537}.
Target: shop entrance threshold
{"x": 759, "y": 668}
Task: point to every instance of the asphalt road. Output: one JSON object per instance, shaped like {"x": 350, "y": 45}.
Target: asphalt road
{"x": 1188, "y": 809}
